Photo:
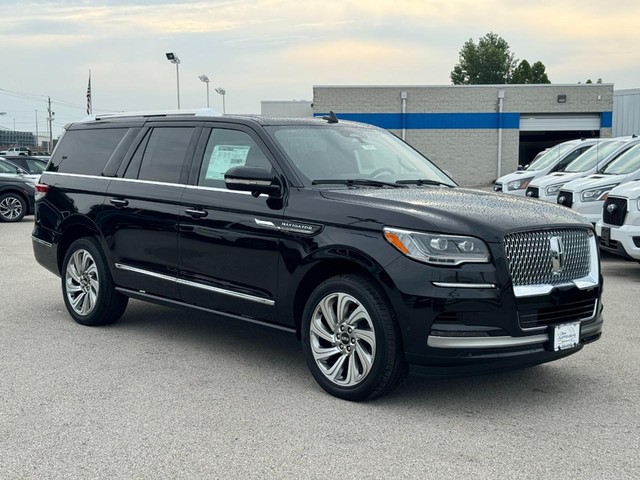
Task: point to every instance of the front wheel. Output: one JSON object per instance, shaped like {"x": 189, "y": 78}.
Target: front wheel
{"x": 350, "y": 339}
{"x": 88, "y": 289}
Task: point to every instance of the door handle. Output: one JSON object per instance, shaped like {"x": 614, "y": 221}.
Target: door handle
{"x": 196, "y": 213}
{"x": 119, "y": 202}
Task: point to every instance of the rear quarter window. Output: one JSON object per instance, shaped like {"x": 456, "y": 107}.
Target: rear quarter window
{"x": 86, "y": 152}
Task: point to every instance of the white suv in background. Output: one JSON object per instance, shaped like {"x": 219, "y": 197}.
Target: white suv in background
{"x": 555, "y": 160}
{"x": 587, "y": 195}
{"x": 619, "y": 228}
{"x": 590, "y": 162}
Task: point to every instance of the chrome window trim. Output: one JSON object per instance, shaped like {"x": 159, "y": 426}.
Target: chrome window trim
{"x": 463, "y": 285}
{"x": 222, "y": 291}
{"x": 149, "y": 182}
{"x": 485, "y": 342}
{"x": 42, "y": 242}
{"x": 216, "y": 189}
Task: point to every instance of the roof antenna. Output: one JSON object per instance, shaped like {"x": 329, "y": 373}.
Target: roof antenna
{"x": 331, "y": 118}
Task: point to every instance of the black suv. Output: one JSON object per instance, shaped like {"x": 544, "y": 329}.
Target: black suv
{"x": 335, "y": 231}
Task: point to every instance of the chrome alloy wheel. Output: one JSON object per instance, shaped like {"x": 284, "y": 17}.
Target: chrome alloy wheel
{"x": 10, "y": 208}
{"x": 81, "y": 281}
{"x": 343, "y": 340}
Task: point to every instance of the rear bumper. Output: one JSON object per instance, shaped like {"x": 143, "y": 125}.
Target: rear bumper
{"x": 45, "y": 248}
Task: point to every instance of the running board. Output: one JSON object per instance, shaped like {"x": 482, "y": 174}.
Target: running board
{"x": 176, "y": 303}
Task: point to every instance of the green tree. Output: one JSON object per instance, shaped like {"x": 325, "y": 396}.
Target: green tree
{"x": 491, "y": 62}
{"x": 488, "y": 62}
{"x": 525, "y": 73}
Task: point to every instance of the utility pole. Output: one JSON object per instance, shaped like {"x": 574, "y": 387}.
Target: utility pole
{"x": 37, "y": 138}
{"x": 50, "y": 120}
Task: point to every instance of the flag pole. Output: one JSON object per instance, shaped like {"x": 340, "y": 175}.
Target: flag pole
{"x": 89, "y": 105}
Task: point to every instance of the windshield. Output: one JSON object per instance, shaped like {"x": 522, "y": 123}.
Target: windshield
{"x": 593, "y": 156}
{"x": 628, "y": 162}
{"x": 6, "y": 167}
{"x": 346, "y": 152}
{"x": 553, "y": 155}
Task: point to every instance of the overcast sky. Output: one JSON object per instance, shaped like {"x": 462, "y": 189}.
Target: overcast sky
{"x": 277, "y": 50}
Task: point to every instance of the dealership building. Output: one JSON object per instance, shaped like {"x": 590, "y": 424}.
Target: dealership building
{"x": 476, "y": 132}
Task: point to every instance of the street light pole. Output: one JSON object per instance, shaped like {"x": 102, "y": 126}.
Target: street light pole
{"x": 222, "y": 92}
{"x": 173, "y": 58}
{"x": 205, "y": 79}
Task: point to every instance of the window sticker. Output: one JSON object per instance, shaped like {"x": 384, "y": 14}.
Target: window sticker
{"x": 369, "y": 147}
{"x": 225, "y": 157}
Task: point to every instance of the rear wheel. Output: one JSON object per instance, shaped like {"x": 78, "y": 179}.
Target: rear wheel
{"x": 13, "y": 207}
{"x": 350, "y": 339}
{"x": 88, "y": 289}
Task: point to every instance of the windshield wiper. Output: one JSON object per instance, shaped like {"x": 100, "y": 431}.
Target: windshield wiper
{"x": 364, "y": 182}
{"x": 423, "y": 181}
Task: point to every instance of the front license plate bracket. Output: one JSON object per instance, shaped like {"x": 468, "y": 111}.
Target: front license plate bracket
{"x": 565, "y": 336}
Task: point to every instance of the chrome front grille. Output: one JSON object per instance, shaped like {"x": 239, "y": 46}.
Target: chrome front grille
{"x": 530, "y": 256}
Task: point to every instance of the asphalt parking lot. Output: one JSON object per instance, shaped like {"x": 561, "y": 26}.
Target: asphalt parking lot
{"x": 173, "y": 394}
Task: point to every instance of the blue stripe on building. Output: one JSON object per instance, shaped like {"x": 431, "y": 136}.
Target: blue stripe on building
{"x": 433, "y": 121}
{"x": 446, "y": 121}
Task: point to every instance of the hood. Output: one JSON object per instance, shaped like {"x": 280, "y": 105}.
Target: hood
{"x": 461, "y": 211}
{"x": 555, "y": 178}
{"x": 629, "y": 190}
{"x": 518, "y": 175}
{"x": 593, "y": 181}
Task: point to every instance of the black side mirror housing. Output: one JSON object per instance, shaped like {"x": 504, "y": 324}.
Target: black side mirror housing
{"x": 256, "y": 180}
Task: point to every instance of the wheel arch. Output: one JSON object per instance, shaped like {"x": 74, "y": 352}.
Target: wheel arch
{"x": 331, "y": 264}
{"x": 75, "y": 227}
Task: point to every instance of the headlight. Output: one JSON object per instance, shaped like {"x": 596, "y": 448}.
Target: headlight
{"x": 519, "y": 184}
{"x": 554, "y": 189}
{"x": 438, "y": 249}
{"x": 596, "y": 194}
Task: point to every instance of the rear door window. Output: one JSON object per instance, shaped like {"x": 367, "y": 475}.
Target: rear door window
{"x": 86, "y": 151}
{"x": 164, "y": 155}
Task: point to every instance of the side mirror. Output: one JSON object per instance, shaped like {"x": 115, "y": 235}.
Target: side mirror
{"x": 520, "y": 168}
{"x": 256, "y": 180}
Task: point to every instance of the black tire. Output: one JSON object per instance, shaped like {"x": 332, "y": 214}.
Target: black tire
{"x": 13, "y": 207}
{"x": 109, "y": 305}
{"x": 387, "y": 367}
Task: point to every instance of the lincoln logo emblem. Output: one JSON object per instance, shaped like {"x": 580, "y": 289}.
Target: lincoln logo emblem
{"x": 556, "y": 249}
{"x": 611, "y": 208}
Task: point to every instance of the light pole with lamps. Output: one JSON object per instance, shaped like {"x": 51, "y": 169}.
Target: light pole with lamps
{"x": 173, "y": 58}
{"x": 205, "y": 79}
{"x": 222, "y": 92}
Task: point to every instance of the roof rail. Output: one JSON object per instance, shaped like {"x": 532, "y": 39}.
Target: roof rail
{"x": 200, "y": 112}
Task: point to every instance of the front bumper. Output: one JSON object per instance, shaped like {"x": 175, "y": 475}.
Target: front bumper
{"x": 624, "y": 240}
{"x": 451, "y": 331}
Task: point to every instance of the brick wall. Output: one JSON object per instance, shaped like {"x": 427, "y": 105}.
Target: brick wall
{"x": 469, "y": 154}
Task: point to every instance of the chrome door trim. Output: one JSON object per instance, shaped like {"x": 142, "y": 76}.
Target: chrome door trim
{"x": 180, "y": 281}
{"x": 42, "y": 242}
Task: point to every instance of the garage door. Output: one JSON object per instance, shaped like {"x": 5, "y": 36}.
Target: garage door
{"x": 538, "y": 122}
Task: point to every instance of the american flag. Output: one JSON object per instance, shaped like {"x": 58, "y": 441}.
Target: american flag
{"x": 89, "y": 107}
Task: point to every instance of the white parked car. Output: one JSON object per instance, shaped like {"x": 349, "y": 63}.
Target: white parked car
{"x": 555, "y": 160}
{"x": 587, "y": 195}
{"x": 590, "y": 162}
{"x": 619, "y": 228}
{"x": 16, "y": 151}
